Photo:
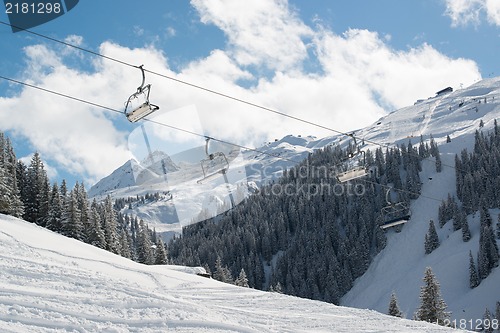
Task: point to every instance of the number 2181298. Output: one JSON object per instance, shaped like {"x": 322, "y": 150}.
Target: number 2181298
{"x": 473, "y": 324}
{"x": 33, "y": 8}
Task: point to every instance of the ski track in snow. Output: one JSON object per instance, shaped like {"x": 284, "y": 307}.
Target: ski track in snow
{"x": 49, "y": 283}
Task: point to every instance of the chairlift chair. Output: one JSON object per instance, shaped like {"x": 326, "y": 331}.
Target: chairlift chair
{"x": 354, "y": 171}
{"x": 146, "y": 108}
{"x": 214, "y": 165}
{"x": 394, "y": 213}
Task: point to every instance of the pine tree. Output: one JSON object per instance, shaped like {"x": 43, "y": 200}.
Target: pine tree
{"x": 466, "y": 236}
{"x": 488, "y": 255}
{"x": 242, "y": 280}
{"x": 221, "y": 272}
{"x": 161, "y": 253}
{"x": 71, "y": 222}
{"x": 36, "y": 178}
{"x": 83, "y": 205}
{"x": 431, "y": 238}
{"x": 473, "y": 277}
{"x": 64, "y": 189}
{"x": 487, "y": 324}
{"x": 434, "y": 150}
{"x": 54, "y": 218}
{"x": 96, "y": 235}
{"x": 448, "y": 139}
{"x": 4, "y": 193}
{"x": 9, "y": 163}
{"x": 124, "y": 245}
{"x": 145, "y": 246}
{"x": 394, "y": 307}
{"x": 110, "y": 227}
{"x": 432, "y": 307}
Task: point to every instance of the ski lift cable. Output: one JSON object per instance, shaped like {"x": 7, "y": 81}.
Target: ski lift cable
{"x": 191, "y": 132}
{"x": 212, "y": 91}
{"x": 145, "y": 119}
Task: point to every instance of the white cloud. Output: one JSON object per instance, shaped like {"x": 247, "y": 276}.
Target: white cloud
{"x": 493, "y": 10}
{"x": 259, "y": 32}
{"x": 359, "y": 79}
{"x": 395, "y": 77}
{"x": 465, "y": 12}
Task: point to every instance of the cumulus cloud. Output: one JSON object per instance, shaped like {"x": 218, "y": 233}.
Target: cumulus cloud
{"x": 358, "y": 79}
{"x": 259, "y": 32}
{"x": 465, "y": 12}
{"x": 394, "y": 77}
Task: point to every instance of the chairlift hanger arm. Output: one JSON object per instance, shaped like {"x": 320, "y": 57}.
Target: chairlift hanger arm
{"x": 141, "y": 87}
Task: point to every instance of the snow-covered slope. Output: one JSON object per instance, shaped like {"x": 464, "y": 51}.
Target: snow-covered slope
{"x": 400, "y": 266}
{"x": 50, "y": 283}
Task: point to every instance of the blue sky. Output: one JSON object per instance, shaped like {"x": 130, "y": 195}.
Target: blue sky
{"x": 343, "y": 64}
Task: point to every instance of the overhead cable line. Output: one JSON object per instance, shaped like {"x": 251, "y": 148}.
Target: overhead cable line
{"x": 145, "y": 119}
{"x": 215, "y": 92}
{"x": 212, "y": 91}
{"x": 84, "y": 101}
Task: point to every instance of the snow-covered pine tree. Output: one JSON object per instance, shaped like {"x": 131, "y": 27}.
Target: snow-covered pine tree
{"x": 161, "y": 253}
{"x": 83, "y": 205}
{"x": 96, "y": 235}
{"x": 4, "y": 193}
{"x": 63, "y": 189}
{"x": 10, "y": 167}
{"x": 434, "y": 151}
{"x": 488, "y": 255}
{"x": 110, "y": 227}
{"x": 413, "y": 182}
{"x": 394, "y": 307}
{"x": 54, "y": 218}
{"x": 145, "y": 253}
{"x": 431, "y": 238}
{"x": 5, "y": 189}
{"x": 221, "y": 272}
{"x": 458, "y": 218}
{"x": 473, "y": 277}
{"x": 487, "y": 324}
{"x": 71, "y": 222}
{"x": 242, "y": 280}
{"x": 34, "y": 201}
{"x": 124, "y": 245}
{"x": 466, "y": 235}
{"x": 432, "y": 306}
